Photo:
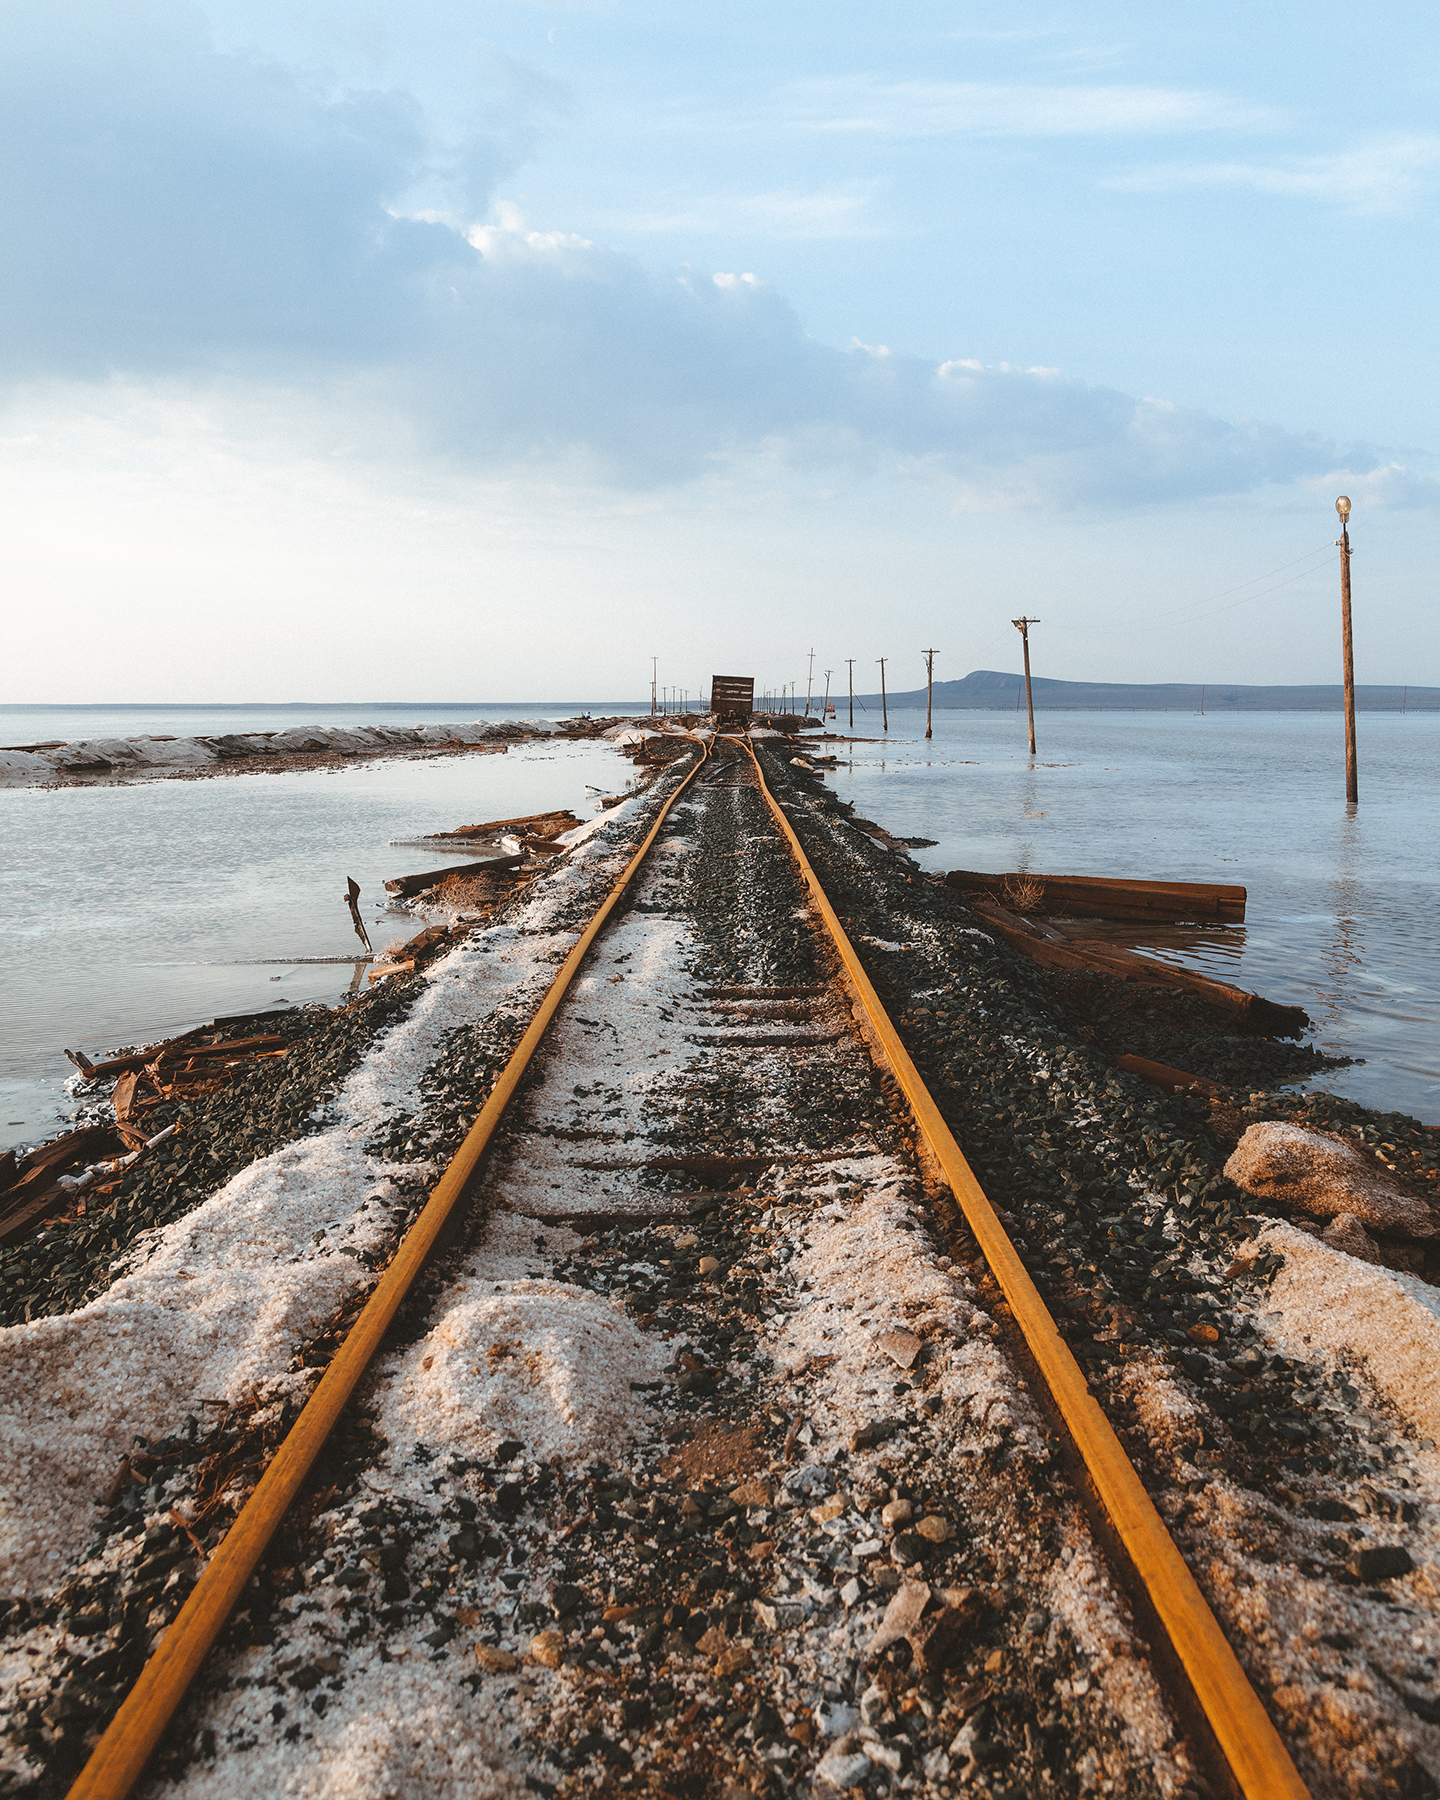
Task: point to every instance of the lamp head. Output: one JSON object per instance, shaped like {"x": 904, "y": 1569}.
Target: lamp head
{"x": 1342, "y": 506}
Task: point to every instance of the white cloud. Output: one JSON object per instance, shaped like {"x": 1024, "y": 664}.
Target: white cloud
{"x": 778, "y": 215}
{"x": 175, "y": 215}
{"x": 1387, "y": 175}
{"x": 921, "y": 109}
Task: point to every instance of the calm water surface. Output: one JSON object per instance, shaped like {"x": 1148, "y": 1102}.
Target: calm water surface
{"x": 129, "y": 912}
{"x": 1344, "y": 904}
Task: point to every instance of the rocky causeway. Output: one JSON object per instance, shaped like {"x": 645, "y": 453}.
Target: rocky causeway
{"x": 706, "y": 1460}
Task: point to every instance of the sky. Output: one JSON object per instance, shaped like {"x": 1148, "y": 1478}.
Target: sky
{"x": 448, "y": 349}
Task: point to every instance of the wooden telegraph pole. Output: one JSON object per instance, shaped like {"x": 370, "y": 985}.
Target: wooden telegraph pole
{"x": 850, "y": 665}
{"x": 1352, "y": 774}
{"x": 884, "y": 710}
{"x": 825, "y": 707}
{"x": 1023, "y": 627}
{"x": 654, "y": 670}
{"x": 929, "y": 656}
{"x": 809, "y": 682}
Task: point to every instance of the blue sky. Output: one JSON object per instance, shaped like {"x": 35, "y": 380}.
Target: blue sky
{"x": 394, "y": 351}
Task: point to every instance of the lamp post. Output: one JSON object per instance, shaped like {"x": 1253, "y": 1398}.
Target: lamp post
{"x": 1352, "y": 774}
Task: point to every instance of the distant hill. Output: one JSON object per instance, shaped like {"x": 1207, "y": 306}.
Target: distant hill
{"x": 989, "y": 690}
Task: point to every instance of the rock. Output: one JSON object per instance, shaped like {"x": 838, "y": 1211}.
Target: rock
{"x": 873, "y": 1703}
{"x": 780, "y": 1615}
{"x": 495, "y": 1662}
{"x": 1381, "y": 1562}
{"x": 934, "y": 1528}
{"x": 715, "y": 1642}
{"x": 709, "y": 1264}
{"x": 897, "y": 1512}
{"x": 566, "y": 1598}
{"x": 834, "y": 1718}
{"x": 843, "y": 1768}
{"x": 878, "y": 1431}
{"x": 1345, "y": 1232}
{"x": 546, "y": 1648}
{"x": 732, "y": 1661}
{"x": 1324, "y": 1176}
{"x": 907, "y": 1547}
{"x": 902, "y": 1347}
{"x": 850, "y": 1593}
{"x": 754, "y": 1492}
{"x": 902, "y": 1615}
{"x": 937, "y": 1637}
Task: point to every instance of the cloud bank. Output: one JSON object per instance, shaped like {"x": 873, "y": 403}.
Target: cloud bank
{"x": 172, "y": 211}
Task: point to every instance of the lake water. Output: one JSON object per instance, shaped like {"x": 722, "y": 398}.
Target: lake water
{"x": 1344, "y": 903}
{"x": 131, "y": 912}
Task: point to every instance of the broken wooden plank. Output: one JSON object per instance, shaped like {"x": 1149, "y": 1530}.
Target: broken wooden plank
{"x": 185, "y": 1046}
{"x": 1163, "y": 1076}
{"x": 545, "y": 825}
{"x": 405, "y": 885}
{"x": 1101, "y": 897}
{"x": 1047, "y": 947}
{"x": 352, "y": 900}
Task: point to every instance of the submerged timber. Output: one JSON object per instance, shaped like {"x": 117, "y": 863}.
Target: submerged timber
{"x": 707, "y": 1455}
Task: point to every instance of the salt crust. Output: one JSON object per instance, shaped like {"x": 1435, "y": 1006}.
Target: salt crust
{"x": 215, "y": 1305}
{"x": 872, "y": 1269}
{"x": 1332, "y": 1302}
{"x": 1290, "y": 1628}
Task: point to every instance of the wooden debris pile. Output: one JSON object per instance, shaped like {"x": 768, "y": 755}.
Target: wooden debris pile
{"x": 89, "y": 1163}
{"x": 424, "y": 947}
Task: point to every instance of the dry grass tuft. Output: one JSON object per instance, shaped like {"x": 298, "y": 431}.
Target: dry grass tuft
{"x": 1023, "y": 893}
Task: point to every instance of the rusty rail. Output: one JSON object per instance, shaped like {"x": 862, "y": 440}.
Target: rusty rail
{"x": 1247, "y": 1738}
{"x": 119, "y": 1758}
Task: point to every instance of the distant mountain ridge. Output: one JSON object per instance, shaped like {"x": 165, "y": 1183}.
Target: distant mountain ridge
{"x": 991, "y": 690}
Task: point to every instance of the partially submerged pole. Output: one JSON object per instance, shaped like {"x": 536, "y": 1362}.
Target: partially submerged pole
{"x": 884, "y": 710}
{"x": 1022, "y": 625}
{"x": 809, "y": 682}
{"x": 825, "y": 708}
{"x": 1352, "y": 774}
{"x": 850, "y": 665}
{"x": 929, "y": 656}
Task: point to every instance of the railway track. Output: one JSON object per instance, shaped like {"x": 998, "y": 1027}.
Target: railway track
{"x": 694, "y": 1439}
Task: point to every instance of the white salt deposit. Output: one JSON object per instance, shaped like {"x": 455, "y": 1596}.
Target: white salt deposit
{"x": 214, "y": 1306}
{"x": 1324, "y": 1300}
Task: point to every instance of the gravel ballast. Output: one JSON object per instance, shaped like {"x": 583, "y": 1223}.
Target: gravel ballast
{"x": 706, "y": 1459}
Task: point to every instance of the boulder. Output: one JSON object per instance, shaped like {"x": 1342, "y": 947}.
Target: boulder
{"x": 1345, "y": 1232}
{"x": 1324, "y": 1176}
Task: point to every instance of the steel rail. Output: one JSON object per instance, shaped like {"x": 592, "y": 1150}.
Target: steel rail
{"x": 1247, "y": 1738}
{"x": 118, "y": 1759}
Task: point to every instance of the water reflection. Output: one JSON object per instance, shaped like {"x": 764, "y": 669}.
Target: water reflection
{"x": 1344, "y": 905}
{"x": 1343, "y": 953}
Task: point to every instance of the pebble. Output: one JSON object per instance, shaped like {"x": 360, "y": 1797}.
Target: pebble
{"x": 496, "y": 1662}
{"x": 546, "y": 1648}
{"x": 934, "y": 1528}
{"x": 897, "y": 1512}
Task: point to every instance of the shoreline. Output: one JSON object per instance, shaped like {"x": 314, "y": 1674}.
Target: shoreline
{"x": 120, "y": 762}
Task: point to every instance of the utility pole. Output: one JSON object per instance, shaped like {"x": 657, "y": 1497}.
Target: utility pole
{"x": 850, "y": 665}
{"x": 1352, "y": 775}
{"x": 809, "y": 682}
{"x": 929, "y": 656}
{"x": 825, "y": 707}
{"x": 654, "y": 662}
{"x": 1023, "y": 627}
{"x": 884, "y": 708}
